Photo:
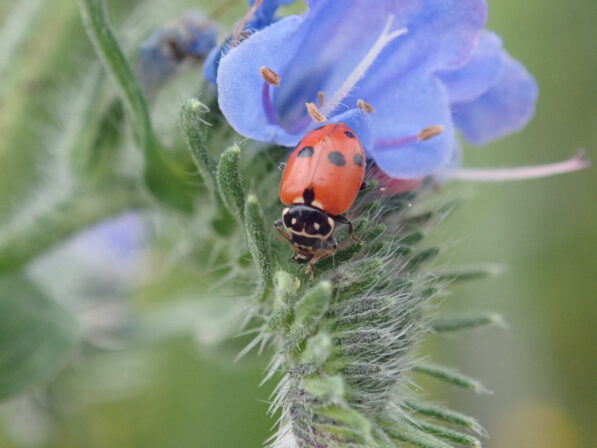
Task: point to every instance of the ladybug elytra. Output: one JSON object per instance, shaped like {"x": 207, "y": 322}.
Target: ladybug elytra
{"x": 321, "y": 180}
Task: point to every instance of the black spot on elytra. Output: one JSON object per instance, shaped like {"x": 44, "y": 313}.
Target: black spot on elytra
{"x": 358, "y": 160}
{"x": 349, "y": 134}
{"x": 337, "y": 158}
{"x": 307, "y": 151}
{"x": 308, "y": 195}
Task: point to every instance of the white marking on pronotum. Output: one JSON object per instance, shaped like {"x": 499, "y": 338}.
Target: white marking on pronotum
{"x": 318, "y": 236}
{"x": 578, "y": 162}
{"x": 359, "y": 71}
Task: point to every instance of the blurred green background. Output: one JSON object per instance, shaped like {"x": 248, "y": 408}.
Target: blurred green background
{"x": 543, "y": 369}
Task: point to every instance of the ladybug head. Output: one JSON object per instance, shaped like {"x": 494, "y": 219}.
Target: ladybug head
{"x": 307, "y": 225}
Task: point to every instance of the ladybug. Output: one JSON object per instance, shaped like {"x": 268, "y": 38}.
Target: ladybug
{"x": 320, "y": 182}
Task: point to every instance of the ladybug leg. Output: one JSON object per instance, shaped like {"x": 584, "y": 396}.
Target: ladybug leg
{"x": 320, "y": 254}
{"x": 282, "y": 166}
{"x": 364, "y": 185}
{"x": 279, "y": 226}
{"x": 344, "y": 220}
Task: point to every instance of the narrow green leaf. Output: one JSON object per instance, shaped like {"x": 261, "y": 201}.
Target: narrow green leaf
{"x": 423, "y": 256}
{"x": 36, "y": 336}
{"x": 164, "y": 179}
{"x": 446, "y": 415}
{"x": 309, "y": 309}
{"x": 450, "y": 435}
{"x": 451, "y": 376}
{"x": 195, "y": 131}
{"x": 230, "y": 182}
{"x": 259, "y": 243}
{"x": 286, "y": 287}
{"x": 473, "y": 273}
{"x": 448, "y": 324}
{"x": 407, "y": 433}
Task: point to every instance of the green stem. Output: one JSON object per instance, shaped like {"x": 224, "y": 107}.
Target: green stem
{"x": 163, "y": 178}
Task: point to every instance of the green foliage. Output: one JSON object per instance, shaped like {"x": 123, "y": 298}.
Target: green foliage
{"x": 163, "y": 176}
{"x": 343, "y": 338}
{"x": 37, "y": 336}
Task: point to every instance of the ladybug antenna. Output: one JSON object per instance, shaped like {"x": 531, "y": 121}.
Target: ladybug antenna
{"x": 315, "y": 113}
{"x": 240, "y": 26}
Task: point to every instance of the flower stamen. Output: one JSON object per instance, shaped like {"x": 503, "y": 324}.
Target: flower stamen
{"x": 315, "y": 113}
{"x": 270, "y": 76}
{"x": 238, "y": 33}
{"x": 365, "y": 107}
{"x": 355, "y": 76}
{"x": 576, "y": 163}
{"x": 426, "y": 134}
{"x": 320, "y": 99}
{"x": 430, "y": 132}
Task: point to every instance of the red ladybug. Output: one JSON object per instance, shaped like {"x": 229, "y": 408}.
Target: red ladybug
{"x": 321, "y": 180}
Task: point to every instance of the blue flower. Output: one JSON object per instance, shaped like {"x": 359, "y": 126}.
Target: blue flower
{"x": 421, "y": 65}
{"x": 261, "y": 13}
{"x": 188, "y": 38}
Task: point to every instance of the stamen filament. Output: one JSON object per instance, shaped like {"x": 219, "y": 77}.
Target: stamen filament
{"x": 238, "y": 30}
{"x": 382, "y": 41}
{"x": 578, "y": 162}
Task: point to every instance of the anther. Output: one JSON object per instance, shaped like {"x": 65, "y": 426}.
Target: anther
{"x": 365, "y": 107}
{"x": 320, "y": 99}
{"x": 270, "y": 76}
{"x": 430, "y": 132}
{"x": 315, "y": 113}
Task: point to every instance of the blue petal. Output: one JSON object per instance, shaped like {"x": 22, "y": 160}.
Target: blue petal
{"x": 265, "y": 15}
{"x": 480, "y": 73}
{"x": 240, "y": 85}
{"x": 337, "y": 34}
{"x": 504, "y": 108}
{"x": 414, "y": 102}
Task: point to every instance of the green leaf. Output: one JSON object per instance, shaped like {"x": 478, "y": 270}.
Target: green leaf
{"x": 449, "y": 434}
{"x": 448, "y": 324}
{"x": 194, "y": 128}
{"x": 37, "y": 336}
{"x": 230, "y": 182}
{"x": 259, "y": 244}
{"x": 451, "y": 376}
{"x": 446, "y": 415}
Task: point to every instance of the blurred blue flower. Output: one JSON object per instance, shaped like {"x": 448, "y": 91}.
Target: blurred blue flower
{"x": 419, "y": 64}
{"x": 261, "y": 13}
{"x": 189, "y": 37}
